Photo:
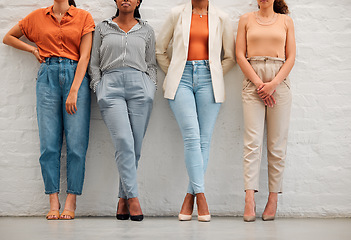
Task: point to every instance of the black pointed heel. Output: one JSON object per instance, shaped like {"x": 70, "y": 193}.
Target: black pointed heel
{"x": 138, "y": 218}
{"x": 122, "y": 216}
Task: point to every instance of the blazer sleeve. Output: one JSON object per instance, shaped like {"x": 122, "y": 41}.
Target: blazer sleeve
{"x": 162, "y": 42}
{"x": 228, "y": 45}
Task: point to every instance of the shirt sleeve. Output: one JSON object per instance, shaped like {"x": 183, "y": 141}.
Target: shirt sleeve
{"x": 89, "y": 24}
{"x": 27, "y": 26}
{"x": 94, "y": 66}
{"x": 150, "y": 56}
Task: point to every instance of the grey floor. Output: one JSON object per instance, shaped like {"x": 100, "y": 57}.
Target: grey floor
{"x": 169, "y": 228}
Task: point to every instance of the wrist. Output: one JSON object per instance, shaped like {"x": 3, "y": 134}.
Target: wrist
{"x": 34, "y": 50}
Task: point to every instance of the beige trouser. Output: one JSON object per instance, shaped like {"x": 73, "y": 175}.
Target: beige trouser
{"x": 277, "y": 118}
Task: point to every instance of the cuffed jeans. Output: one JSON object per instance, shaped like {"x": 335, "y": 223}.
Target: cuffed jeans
{"x": 277, "y": 119}
{"x": 54, "y": 82}
{"x": 125, "y": 97}
{"x": 196, "y": 111}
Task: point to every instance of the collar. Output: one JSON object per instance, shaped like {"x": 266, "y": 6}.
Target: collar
{"x": 110, "y": 20}
{"x": 71, "y": 11}
{"x": 140, "y": 24}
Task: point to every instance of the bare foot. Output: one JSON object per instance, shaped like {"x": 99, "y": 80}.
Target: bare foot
{"x": 54, "y": 206}
{"x": 122, "y": 206}
{"x": 271, "y": 206}
{"x": 134, "y": 207}
{"x": 250, "y": 203}
{"x": 70, "y": 205}
{"x": 202, "y": 207}
{"x": 188, "y": 204}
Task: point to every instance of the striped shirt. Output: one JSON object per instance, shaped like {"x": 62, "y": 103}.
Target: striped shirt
{"x": 113, "y": 48}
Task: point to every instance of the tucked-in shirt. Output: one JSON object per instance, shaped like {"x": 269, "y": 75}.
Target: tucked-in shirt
{"x": 114, "y": 48}
{"x": 266, "y": 39}
{"x": 57, "y": 39}
{"x": 198, "y": 39}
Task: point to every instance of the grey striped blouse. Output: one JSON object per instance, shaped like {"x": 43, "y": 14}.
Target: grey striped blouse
{"x": 113, "y": 48}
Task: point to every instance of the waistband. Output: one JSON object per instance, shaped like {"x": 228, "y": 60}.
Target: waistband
{"x": 265, "y": 59}
{"x": 121, "y": 69}
{"x": 197, "y": 62}
{"x": 55, "y": 60}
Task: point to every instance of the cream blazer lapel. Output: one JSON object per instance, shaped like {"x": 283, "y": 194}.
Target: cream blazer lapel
{"x": 186, "y": 23}
{"x": 213, "y": 21}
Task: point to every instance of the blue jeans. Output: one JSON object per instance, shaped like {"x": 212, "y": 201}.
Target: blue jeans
{"x": 125, "y": 97}
{"x": 54, "y": 82}
{"x": 196, "y": 111}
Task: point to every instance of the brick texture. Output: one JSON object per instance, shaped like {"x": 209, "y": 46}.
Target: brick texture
{"x": 318, "y": 170}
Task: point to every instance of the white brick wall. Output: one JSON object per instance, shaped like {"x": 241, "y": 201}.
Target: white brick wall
{"x": 318, "y": 170}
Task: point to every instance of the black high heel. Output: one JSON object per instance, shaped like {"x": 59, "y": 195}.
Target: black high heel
{"x": 122, "y": 216}
{"x": 138, "y": 218}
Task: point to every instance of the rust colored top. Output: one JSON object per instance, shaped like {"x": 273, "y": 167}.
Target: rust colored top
{"x": 198, "y": 40}
{"x": 266, "y": 39}
{"x": 57, "y": 39}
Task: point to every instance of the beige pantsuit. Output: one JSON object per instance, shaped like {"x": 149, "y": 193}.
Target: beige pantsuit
{"x": 277, "y": 118}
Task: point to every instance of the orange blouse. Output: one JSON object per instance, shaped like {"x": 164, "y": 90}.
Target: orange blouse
{"x": 55, "y": 39}
{"x": 198, "y": 40}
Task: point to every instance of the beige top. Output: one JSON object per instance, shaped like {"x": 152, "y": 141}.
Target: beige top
{"x": 266, "y": 39}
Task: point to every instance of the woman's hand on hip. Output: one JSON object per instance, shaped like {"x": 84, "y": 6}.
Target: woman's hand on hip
{"x": 71, "y": 102}
{"x": 35, "y": 52}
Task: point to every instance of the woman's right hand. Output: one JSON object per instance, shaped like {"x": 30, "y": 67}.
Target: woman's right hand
{"x": 35, "y": 52}
{"x": 268, "y": 100}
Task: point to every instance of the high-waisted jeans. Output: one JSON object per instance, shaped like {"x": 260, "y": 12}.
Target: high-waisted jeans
{"x": 125, "y": 97}
{"x": 276, "y": 118}
{"x": 196, "y": 111}
{"x": 54, "y": 82}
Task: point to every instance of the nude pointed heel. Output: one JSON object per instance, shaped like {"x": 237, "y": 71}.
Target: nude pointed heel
{"x": 184, "y": 217}
{"x": 204, "y": 218}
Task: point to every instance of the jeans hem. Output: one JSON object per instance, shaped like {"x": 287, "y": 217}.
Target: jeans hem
{"x": 51, "y": 192}
{"x": 74, "y": 192}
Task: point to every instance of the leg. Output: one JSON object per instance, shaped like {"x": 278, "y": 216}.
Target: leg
{"x": 184, "y": 109}
{"x": 49, "y": 117}
{"x": 114, "y": 111}
{"x": 140, "y": 91}
{"x": 76, "y": 128}
{"x": 254, "y": 118}
{"x": 207, "y": 111}
{"x": 278, "y": 119}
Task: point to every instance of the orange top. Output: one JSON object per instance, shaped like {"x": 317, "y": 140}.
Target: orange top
{"x": 198, "y": 40}
{"x": 266, "y": 39}
{"x": 55, "y": 39}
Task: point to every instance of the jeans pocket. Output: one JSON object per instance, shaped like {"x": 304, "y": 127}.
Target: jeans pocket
{"x": 41, "y": 71}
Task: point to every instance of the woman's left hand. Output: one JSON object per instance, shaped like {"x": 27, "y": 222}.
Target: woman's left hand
{"x": 265, "y": 90}
{"x": 71, "y": 103}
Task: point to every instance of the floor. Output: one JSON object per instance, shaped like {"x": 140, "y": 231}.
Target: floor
{"x": 16, "y": 228}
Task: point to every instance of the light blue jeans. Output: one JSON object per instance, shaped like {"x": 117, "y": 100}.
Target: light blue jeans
{"x": 54, "y": 82}
{"x": 125, "y": 97}
{"x": 196, "y": 111}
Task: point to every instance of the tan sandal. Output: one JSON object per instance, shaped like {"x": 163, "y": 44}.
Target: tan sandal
{"x": 67, "y": 213}
{"x": 54, "y": 213}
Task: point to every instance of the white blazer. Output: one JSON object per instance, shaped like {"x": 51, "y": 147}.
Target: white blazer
{"x": 177, "y": 27}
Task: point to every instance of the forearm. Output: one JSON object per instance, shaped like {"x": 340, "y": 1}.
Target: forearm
{"x": 248, "y": 71}
{"x": 80, "y": 73}
{"x": 284, "y": 71}
{"x": 17, "y": 43}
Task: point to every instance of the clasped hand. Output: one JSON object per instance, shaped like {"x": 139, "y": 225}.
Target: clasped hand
{"x": 265, "y": 91}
